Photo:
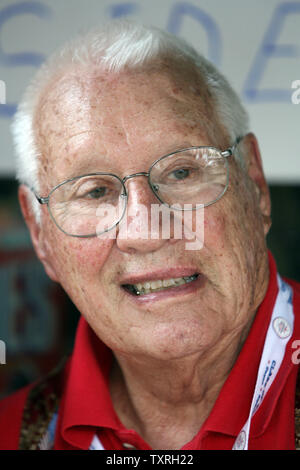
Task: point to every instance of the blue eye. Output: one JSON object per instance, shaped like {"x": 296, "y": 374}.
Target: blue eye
{"x": 181, "y": 174}
{"x": 97, "y": 193}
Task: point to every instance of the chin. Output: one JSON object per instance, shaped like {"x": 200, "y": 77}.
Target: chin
{"x": 170, "y": 342}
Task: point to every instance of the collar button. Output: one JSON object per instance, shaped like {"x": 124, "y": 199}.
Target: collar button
{"x": 126, "y": 445}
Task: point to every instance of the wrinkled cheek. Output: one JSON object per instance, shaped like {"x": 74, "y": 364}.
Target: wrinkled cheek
{"x": 214, "y": 230}
{"x": 81, "y": 270}
{"x": 77, "y": 259}
{"x": 89, "y": 255}
{"x": 201, "y": 228}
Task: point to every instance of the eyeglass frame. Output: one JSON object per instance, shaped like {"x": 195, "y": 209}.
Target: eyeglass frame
{"x": 225, "y": 153}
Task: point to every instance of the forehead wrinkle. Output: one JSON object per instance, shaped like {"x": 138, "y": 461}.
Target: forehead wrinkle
{"x": 82, "y": 96}
{"x": 177, "y": 103}
{"x": 175, "y": 114}
{"x": 68, "y": 98}
{"x": 190, "y": 101}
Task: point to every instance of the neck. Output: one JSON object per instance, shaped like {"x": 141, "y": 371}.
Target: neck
{"x": 167, "y": 402}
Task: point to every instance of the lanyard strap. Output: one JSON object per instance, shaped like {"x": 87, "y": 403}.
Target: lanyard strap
{"x": 279, "y": 332}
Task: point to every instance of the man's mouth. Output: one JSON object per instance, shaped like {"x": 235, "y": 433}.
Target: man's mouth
{"x": 149, "y": 287}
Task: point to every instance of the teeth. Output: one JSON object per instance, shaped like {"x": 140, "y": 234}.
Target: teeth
{"x": 152, "y": 286}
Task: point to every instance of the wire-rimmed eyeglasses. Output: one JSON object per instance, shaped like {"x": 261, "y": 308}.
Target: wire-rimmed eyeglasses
{"x": 91, "y": 204}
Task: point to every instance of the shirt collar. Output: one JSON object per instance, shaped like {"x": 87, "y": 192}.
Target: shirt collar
{"x": 86, "y": 403}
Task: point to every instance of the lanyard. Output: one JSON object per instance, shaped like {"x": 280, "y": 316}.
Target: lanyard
{"x": 279, "y": 332}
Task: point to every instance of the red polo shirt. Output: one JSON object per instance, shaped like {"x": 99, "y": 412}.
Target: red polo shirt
{"x": 86, "y": 407}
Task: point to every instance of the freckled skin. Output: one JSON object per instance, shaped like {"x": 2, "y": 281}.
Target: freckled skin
{"x": 92, "y": 263}
{"x": 81, "y": 126}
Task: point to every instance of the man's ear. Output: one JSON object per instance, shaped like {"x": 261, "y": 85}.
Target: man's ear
{"x": 34, "y": 227}
{"x": 256, "y": 173}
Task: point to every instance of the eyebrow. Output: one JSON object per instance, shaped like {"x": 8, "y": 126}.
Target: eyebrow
{"x": 93, "y": 162}
{"x": 174, "y": 148}
{"x": 90, "y": 163}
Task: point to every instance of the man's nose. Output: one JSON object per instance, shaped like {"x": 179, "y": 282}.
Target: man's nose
{"x": 138, "y": 231}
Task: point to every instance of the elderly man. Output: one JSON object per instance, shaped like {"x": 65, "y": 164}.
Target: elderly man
{"x": 179, "y": 346}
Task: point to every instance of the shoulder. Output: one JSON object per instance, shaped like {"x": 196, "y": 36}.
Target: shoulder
{"x": 11, "y": 414}
{"x": 295, "y": 285}
{"x": 296, "y": 296}
{"x": 296, "y": 304}
{"x": 24, "y": 415}
{"x": 297, "y": 413}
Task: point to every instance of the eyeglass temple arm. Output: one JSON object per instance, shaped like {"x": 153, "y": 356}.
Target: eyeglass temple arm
{"x": 228, "y": 152}
{"x": 41, "y": 200}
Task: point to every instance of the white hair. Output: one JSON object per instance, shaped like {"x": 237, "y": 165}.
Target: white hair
{"x": 111, "y": 47}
